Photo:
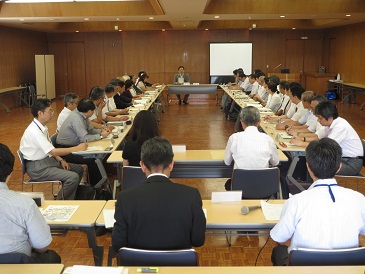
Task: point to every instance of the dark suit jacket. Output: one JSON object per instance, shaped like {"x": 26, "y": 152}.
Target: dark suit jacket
{"x": 122, "y": 101}
{"x": 159, "y": 215}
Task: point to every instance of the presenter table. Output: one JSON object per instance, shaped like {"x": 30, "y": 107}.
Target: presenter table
{"x": 31, "y": 268}
{"x": 83, "y": 219}
{"x": 193, "y": 89}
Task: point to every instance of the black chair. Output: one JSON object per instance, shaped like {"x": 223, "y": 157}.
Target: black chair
{"x": 257, "y": 183}
{"x": 140, "y": 257}
{"x": 132, "y": 176}
{"x": 14, "y": 258}
{"x": 30, "y": 181}
{"x": 313, "y": 257}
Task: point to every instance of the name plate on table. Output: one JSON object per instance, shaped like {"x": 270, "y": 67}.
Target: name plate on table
{"x": 179, "y": 148}
{"x": 226, "y": 197}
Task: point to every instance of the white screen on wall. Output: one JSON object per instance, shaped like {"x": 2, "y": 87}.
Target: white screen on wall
{"x": 225, "y": 57}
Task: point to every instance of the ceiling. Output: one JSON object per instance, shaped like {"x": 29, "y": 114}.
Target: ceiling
{"x": 181, "y": 15}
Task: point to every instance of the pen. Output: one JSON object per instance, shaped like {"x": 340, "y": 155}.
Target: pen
{"x": 147, "y": 270}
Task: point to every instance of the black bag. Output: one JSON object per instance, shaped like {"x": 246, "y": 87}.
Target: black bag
{"x": 104, "y": 193}
{"x": 85, "y": 192}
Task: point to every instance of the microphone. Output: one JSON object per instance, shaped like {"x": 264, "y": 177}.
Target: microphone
{"x": 246, "y": 209}
{"x": 276, "y": 67}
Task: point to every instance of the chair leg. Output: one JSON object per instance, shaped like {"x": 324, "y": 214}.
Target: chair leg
{"x": 111, "y": 255}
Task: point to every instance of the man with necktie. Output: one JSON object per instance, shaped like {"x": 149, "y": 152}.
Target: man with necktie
{"x": 179, "y": 79}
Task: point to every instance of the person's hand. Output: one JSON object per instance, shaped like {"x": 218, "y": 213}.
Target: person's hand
{"x": 123, "y": 118}
{"x": 124, "y": 111}
{"x": 296, "y": 141}
{"x": 292, "y": 132}
{"x": 110, "y": 127}
{"x": 105, "y": 132}
{"x": 280, "y": 126}
{"x": 65, "y": 165}
{"x": 102, "y": 105}
{"x": 288, "y": 129}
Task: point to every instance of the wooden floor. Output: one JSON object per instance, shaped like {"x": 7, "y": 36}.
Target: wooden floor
{"x": 199, "y": 125}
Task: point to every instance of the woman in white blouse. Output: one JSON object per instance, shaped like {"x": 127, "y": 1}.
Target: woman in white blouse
{"x": 274, "y": 99}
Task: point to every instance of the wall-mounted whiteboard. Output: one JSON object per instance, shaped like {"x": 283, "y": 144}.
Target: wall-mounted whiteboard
{"x": 226, "y": 57}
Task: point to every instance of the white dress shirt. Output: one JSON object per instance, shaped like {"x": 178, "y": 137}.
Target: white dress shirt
{"x": 255, "y": 87}
{"x": 345, "y": 135}
{"x": 311, "y": 219}
{"x": 308, "y": 118}
{"x": 110, "y": 104}
{"x": 62, "y": 117}
{"x": 251, "y": 149}
{"x": 273, "y": 101}
{"x": 285, "y": 104}
{"x": 245, "y": 83}
{"x": 35, "y": 143}
{"x": 299, "y": 111}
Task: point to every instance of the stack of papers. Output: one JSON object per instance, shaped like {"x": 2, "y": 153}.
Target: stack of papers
{"x": 284, "y": 135}
{"x": 59, "y": 213}
{"x": 271, "y": 212}
{"x": 84, "y": 269}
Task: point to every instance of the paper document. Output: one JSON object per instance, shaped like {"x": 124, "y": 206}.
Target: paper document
{"x": 58, "y": 213}
{"x": 205, "y": 212}
{"x": 285, "y": 135}
{"x": 84, "y": 269}
{"x": 109, "y": 217}
{"x": 271, "y": 211}
{"x": 226, "y": 197}
{"x": 94, "y": 148}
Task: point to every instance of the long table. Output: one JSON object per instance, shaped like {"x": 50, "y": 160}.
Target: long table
{"x": 259, "y": 270}
{"x": 193, "y": 89}
{"x": 4, "y": 91}
{"x": 31, "y": 268}
{"x": 83, "y": 219}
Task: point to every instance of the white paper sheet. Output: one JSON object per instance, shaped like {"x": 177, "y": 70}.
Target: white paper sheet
{"x": 109, "y": 217}
{"x": 271, "y": 211}
{"x": 226, "y": 197}
{"x": 58, "y": 213}
{"x": 94, "y": 148}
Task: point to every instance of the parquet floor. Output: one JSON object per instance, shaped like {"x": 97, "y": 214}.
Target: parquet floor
{"x": 199, "y": 125}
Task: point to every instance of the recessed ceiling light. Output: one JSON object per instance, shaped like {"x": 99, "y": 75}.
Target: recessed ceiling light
{"x": 117, "y": 19}
{"x": 151, "y": 18}
{"x": 163, "y": 29}
{"x": 120, "y": 30}
{"x": 206, "y": 29}
{"x": 21, "y": 19}
{"x": 348, "y": 15}
{"x": 282, "y": 16}
{"x": 216, "y": 17}
{"x": 86, "y": 19}
{"x": 50, "y": 19}
{"x": 292, "y": 28}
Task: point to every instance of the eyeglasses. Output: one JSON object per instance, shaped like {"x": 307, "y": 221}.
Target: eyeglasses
{"x": 50, "y": 111}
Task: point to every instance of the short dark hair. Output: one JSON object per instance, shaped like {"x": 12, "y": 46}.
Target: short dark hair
{"x": 6, "y": 162}
{"x": 324, "y": 157}
{"x": 109, "y": 88}
{"x": 180, "y": 67}
{"x": 85, "y": 105}
{"x": 319, "y": 98}
{"x": 40, "y": 105}
{"x": 241, "y": 74}
{"x": 284, "y": 85}
{"x": 69, "y": 98}
{"x": 326, "y": 109}
{"x": 128, "y": 84}
{"x": 296, "y": 90}
{"x": 97, "y": 93}
{"x": 250, "y": 116}
{"x": 274, "y": 79}
{"x": 117, "y": 82}
{"x": 273, "y": 87}
{"x": 157, "y": 152}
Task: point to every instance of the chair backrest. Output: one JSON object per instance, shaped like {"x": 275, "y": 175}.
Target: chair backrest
{"x": 140, "y": 257}
{"x": 363, "y": 146}
{"x": 22, "y": 161}
{"x": 256, "y": 183}
{"x": 308, "y": 257}
{"x": 53, "y": 139}
{"x": 132, "y": 176}
{"x": 14, "y": 258}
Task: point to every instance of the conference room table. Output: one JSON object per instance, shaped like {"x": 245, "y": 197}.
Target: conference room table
{"x": 193, "y": 89}
{"x": 224, "y": 217}
{"x": 5, "y": 91}
{"x": 258, "y": 270}
{"x": 31, "y": 268}
{"x": 192, "y": 164}
{"x": 84, "y": 219}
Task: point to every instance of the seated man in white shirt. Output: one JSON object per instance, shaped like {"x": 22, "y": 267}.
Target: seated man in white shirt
{"x": 22, "y": 227}
{"x": 250, "y": 148}
{"x": 42, "y": 159}
{"x": 70, "y": 102}
{"x": 326, "y": 216}
{"x": 285, "y": 101}
{"x": 340, "y": 130}
{"x": 307, "y": 117}
{"x": 110, "y": 106}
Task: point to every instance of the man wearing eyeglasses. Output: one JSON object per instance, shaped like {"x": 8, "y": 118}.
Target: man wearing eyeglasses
{"x": 70, "y": 102}
{"x": 43, "y": 161}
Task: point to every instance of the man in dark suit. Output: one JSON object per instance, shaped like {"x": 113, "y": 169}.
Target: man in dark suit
{"x": 158, "y": 214}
